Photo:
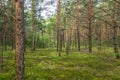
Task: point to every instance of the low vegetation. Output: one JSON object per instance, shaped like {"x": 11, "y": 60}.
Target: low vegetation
{"x": 45, "y": 64}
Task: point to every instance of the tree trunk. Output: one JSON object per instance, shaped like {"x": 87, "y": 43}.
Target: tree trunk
{"x": 43, "y": 39}
{"x": 19, "y": 37}
{"x": 36, "y": 39}
{"x": 67, "y": 42}
{"x": 57, "y": 38}
{"x": 59, "y": 43}
{"x": 3, "y": 35}
{"x": 115, "y": 28}
{"x": 33, "y": 26}
{"x": 100, "y": 32}
{"x": 90, "y": 26}
{"x": 99, "y": 40}
{"x": 2, "y": 52}
{"x": 78, "y": 25}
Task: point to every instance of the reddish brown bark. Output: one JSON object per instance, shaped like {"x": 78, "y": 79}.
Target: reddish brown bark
{"x": 90, "y": 25}
{"x": 115, "y": 28}
{"x": 19, "y": 37}
{"x": 59, "y": 42}
{"x": 78, "y": 25}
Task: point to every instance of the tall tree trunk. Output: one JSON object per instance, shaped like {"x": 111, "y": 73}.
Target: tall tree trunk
{"x": 36, "y": 39}
{"x": 3, "y": 35}
{"x": 67, "y": 42}
{"x": 115, "y": 28}
{"x": 33, "y": 26}
{"x": 78, "y": 25}
{"x": 5, "y": 40}
{"x": 2, "y": 52}
{"x": 43, "y": 46}
{"x": 19, "y": 37}
{"x": 59, "y": 47}
{"x": 90, "y": 25}
{"x": 13, "y": 40}
{"x": 99, "y": 39}
{"x": 57, "y": 38}
{"x": 75, "y": 39}
{"x": 100, "y": 33}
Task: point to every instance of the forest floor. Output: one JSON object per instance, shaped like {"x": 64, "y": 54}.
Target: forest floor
{"x": 45, "y": 64}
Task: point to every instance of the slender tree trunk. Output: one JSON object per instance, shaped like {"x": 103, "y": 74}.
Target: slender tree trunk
{"x": 60, "y": 42}
{"x": 99, "y": 40}
{"x": 36, "y": 39}
{"x": 19, "y": 37}
{"x": 9, "y": 39}
{"x": 70, "y": 37}
{"x": 43, "y": 39}
{"x": 3, "y": 36}
{"x": 78, "y": 25}
{"x": 59, "y": 47}
{"x": 13, "y": 40}
{"x": 33, "y": 26}
{"x": 57, "y": 38}
{"x": 2, "y": 53}
{"x": 5, "y": 41}
{"x": 63, "y": 38}
{"x": 75, "y": 39}
{"x": 115, "y": 28}
{"x": 90, "y": 26}
{"x": 67, "y": 42}
{"x": 100, "y": 32}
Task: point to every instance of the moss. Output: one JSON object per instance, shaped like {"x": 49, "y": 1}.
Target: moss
{"x": 47, "y": 65}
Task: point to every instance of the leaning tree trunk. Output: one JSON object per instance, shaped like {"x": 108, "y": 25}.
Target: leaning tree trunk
{"x": 90, "y": 26}
{"x": 19, "y": 37}
{"x": 115, "y": 28}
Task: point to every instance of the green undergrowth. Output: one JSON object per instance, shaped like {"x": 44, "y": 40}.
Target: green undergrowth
{"x": 45, "y": 64}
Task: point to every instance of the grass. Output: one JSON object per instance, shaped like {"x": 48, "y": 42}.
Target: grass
{"x": 47, "y": 65}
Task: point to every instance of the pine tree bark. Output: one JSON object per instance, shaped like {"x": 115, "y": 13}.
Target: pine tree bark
{"x": 59, "y": 42}
{"x": 99, "y": 40}
{"x": 2, "y": 53}
{"x": 100, "y": 33}
{"x": 43, "y": 39}
{"x": 78, "y": 24}
{"x": 90, "y": 25}
{"x": 19, "y": 37}
{"x": 67, "y": 41}
{"x": 115, "y": 28}
{"x": 3, "y": 36}
{"x": 33, "y": 26}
